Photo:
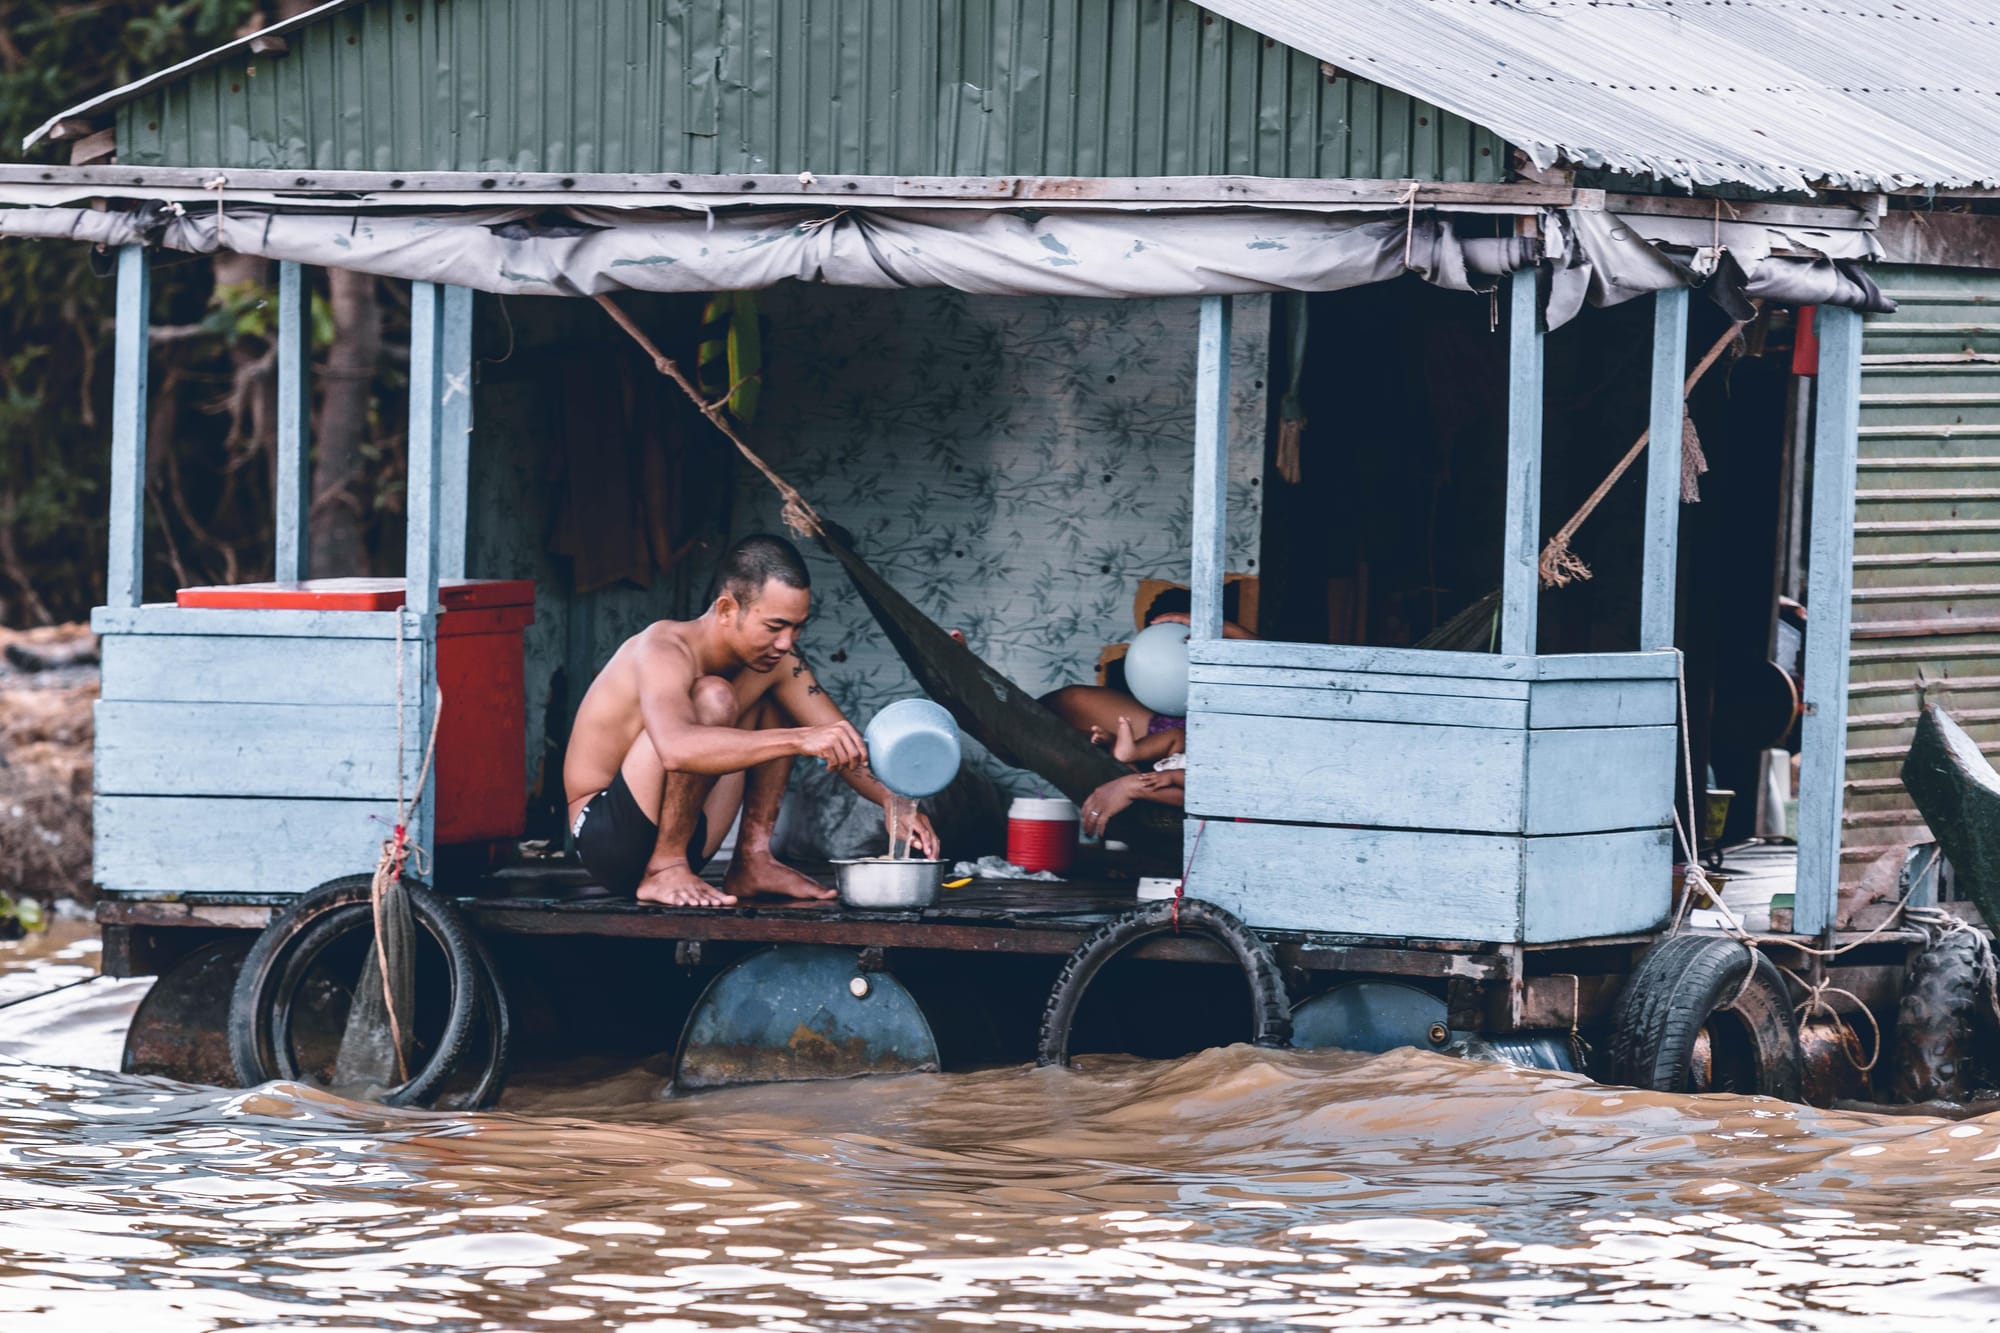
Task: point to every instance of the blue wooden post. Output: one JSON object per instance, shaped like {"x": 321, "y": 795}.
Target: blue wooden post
{"x": 1663, "y": 469}
{"x": 1521, "y": 531}
{"x": 1211, "y": 467}
{"x": 420, "y": 568}
{"x": 1836, "y": 429}
{"x": 294, "y": 485}
{"x": 455, "y": 432}
{"x": 124, "y": 580}
{"x": 420, "y": 565}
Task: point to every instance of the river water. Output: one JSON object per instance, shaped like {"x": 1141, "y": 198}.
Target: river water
{"x": 1233, "y": 1189}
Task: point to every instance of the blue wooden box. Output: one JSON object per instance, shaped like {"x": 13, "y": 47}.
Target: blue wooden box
{"x": 1463, "y": 796}
{"x": 250, "y": 751}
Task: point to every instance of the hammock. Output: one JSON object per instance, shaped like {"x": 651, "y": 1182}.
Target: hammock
{"x": 993, "y": 710}
{"x": 1011, "y": 723}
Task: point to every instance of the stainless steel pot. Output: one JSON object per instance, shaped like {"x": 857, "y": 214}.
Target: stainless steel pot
{"x": 898, "y": 885}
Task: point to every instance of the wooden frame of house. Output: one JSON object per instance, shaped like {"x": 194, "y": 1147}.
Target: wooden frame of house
{"x": 1501, "y": 799}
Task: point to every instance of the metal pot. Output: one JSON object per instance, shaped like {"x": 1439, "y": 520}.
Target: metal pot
{"x": 893, "y": 885}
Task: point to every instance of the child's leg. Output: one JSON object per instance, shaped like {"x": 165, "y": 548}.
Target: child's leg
{"x": 1130, "y": 749}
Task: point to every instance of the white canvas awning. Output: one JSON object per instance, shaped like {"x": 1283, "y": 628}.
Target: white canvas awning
{"x": 1595, "y": 257}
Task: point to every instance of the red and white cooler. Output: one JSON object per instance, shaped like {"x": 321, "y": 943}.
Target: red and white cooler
{"x": 1041, "y": 833}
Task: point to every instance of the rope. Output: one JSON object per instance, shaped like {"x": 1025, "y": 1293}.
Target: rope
{"x": 1559, "y": 565}
{"x": 1187, "y": 873}
{"x": 397, "y": 853}
{"x": 799, "y": 516}
{"x": 1410, "y": 223}
{"x": 219, "y": 184}
{"x": 1815, "y": 1001}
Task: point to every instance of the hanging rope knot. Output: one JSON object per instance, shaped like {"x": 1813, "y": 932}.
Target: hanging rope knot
{"x": 1816, "y": 1002}
{"x": 397, "y": 856}
{"x": 1409, "y": 200}
{"x": 1187, "y": 873}
{"x": 1560, "y": 566}
{"x": 218, "y": 184}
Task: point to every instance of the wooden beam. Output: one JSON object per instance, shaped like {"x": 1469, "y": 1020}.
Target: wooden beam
{"x": 99, "y": 147}
{"x": 72, "y": 128}
{"x": 420, "y": 564}
{"x": 1836, "y": 425}
{"x": 1663, "y": 469}
{"x": 294, "y": 486}
{"x": 1211, "y": 467}
{"x": 124, "y": 582}
{"x": 455, "y": 432}
{"x": 424, "y": 482}
{"x": 1941, "y": 240}
{"x": 997, "y": 189}
{"x": 1521, "y": 529}
{"x": 1855, "y": 217}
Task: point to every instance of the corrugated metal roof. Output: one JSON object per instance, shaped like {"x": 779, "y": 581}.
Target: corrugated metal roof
{"x": 1776, "y": 94}
{"x": 1090, "y": 88}
{"x": 1926, "y": 541}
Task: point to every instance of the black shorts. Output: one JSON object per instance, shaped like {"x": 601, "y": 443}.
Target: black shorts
{"x": 615, "y": 839}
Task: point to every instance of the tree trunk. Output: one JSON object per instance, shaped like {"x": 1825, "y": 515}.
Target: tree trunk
{"x": 339, "y": 513}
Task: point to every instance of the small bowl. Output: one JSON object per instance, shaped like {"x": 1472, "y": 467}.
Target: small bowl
{"x": 889, "y": 885}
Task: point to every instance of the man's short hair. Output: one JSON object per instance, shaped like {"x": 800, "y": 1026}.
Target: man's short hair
{"x": 755, "y": 561}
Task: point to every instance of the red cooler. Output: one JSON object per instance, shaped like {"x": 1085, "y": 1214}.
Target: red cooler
{"x": 482, "y": 738}
{"x": 1041, "y": 833}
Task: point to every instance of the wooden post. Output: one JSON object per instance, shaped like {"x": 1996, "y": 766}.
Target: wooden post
{"x": 1521, "y": 531}
{"x": 455, "y": 432}
{"x": 420, "y": 566}
{"x": 1663, "y": 469}
{"x": 1211, "y": 467}
{"x": 1836, "y": 429}
{"x": 125, "y": 574}
{"x": 294, "y": 486}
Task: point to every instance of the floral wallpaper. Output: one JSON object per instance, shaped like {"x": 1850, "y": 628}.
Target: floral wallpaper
{"x": 1014, "y": 466}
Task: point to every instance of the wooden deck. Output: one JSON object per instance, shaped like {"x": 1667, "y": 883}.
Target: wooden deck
{"x": 555, "y": 898}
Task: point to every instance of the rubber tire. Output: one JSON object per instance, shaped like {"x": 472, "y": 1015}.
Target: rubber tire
{"x": 1936, "y": 1020}
{"x": 254, "y": 1010}
{"x": 1270, "y": 1006}
{"x": 496, "y": 1042}
{"x": 1681, "y": 984}
{"x": 498, "y": 1011}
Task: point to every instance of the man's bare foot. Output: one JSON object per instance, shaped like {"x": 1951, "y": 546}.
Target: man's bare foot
{"x": 675, "y": 885}
{"x": 1126, "y": 748}
{"x": 753, "y": 874}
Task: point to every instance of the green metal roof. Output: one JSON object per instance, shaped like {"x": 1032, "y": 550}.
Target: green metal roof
{"x": 891, "y": 87}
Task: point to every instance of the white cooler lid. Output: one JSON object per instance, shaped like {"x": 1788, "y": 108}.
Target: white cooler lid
{"x": 1053, "y": 809}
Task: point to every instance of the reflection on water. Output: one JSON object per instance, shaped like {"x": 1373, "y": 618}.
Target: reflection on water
{"x": 1235, "y": 1188}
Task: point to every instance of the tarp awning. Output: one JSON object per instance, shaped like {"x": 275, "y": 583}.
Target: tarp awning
{"x": 1594, "y": 257}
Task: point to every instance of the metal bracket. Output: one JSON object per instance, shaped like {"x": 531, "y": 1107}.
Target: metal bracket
{"x": 871, "y": 960}
{"x": 687, "y": 953}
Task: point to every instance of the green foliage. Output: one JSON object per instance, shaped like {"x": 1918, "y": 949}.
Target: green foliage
{"x": 57, "y": 299}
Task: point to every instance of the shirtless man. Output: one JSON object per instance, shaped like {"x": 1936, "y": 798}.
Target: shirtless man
{"x": 691, "y": 720}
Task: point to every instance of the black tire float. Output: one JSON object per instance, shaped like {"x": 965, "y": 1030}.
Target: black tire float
{"x": 1704, "y": 1013}
{"x": 269, "y": 1000}
{"x": 1270, "y": 1006}
{"x": 1947, "y": 994}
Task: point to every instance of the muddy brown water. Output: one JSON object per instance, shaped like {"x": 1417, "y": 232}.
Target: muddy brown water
{"x": 1233, "y": 1189}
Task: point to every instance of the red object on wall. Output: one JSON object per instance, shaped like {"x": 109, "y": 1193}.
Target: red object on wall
{"x": 482, "y": 738}
{"x": 1805, "y": 343}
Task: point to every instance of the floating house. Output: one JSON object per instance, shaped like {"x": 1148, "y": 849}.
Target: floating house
{"x": 1353, "y": 297}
